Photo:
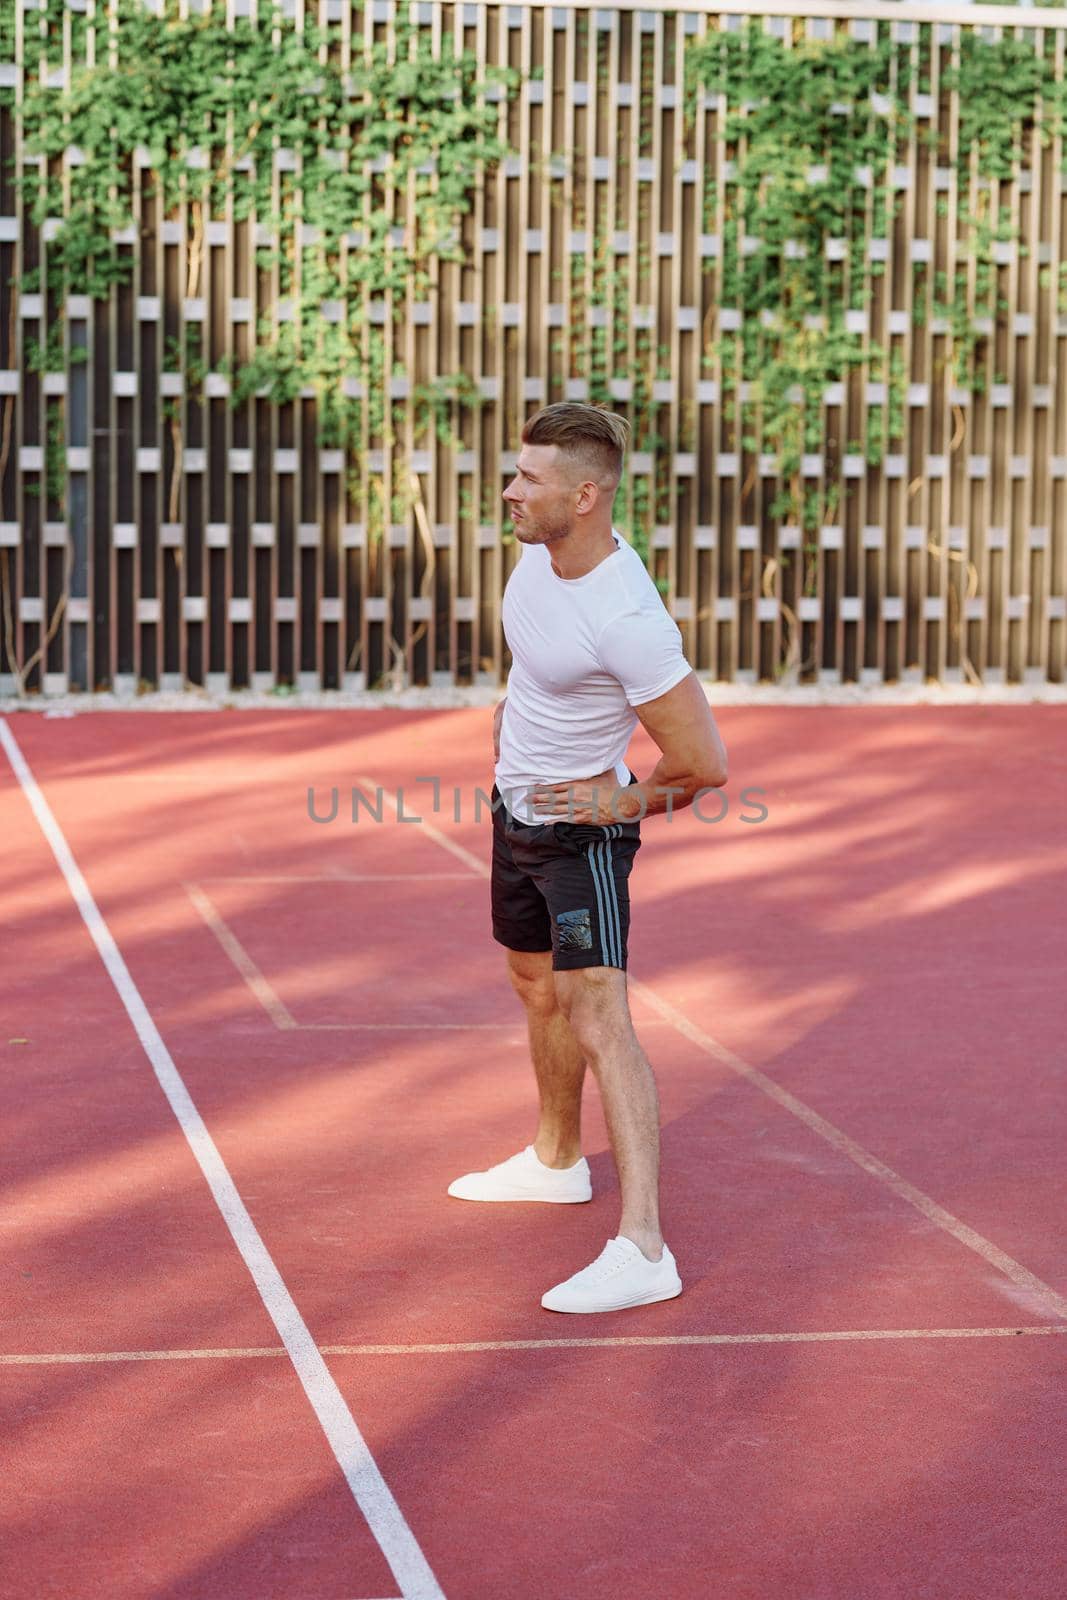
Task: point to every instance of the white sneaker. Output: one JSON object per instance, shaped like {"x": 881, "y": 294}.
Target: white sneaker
{"x": 525, "y": 1177}
{"x": 619, "y": 1277}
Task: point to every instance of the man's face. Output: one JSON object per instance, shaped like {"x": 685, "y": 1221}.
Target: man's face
{"x": 541, "y": 496}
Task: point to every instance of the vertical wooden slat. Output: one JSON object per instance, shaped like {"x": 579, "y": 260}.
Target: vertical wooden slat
{"x": 667, "y": 197}
{"x": 1042, "y": 298}
{"x": 703, "y": 632}
{"x": 1048, "y": 652}
{"x": 971, "y": 504}
{"x": 352, "y": 554}
{"x": 512, "y": 217}
{"x": 726, "y": 588}
{"x": 864, "y": 581}
{"x": 1027, "y": 412}
{"x": 447, "y": 290}
{"x": 469, "y": 635}
{"x": 992, "y": 432}
{"x": 625, "y": 117}
{"x": 14, "y": 533}
{"x": 686, "y": 228}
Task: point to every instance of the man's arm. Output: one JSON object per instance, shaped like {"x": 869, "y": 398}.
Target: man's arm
{"x": 498, "y": 716}
{"x": 694, "y": 758}
{"x": 693, "y": 754}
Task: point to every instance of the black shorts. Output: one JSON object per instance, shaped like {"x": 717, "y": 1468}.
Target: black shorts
{"x": 562, "y": 886}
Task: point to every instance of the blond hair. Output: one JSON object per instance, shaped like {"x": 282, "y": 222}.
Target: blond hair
{"x": 592, "y": 440}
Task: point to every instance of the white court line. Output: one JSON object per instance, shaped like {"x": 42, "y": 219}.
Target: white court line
{"x": 434, "y": 833}
{"x": 275, "y": 1006}
{"x": 439, "y": 1027}
{"x": 269, "y": 999}
{"x": 1051, "y": 1302}
{"x": 232, "y": 781}
{"x": 862, "y": 1335}
{"x": 408, "y": 1027}
{"x": 372, "y": 1494}
{"x": 339, "y": 877}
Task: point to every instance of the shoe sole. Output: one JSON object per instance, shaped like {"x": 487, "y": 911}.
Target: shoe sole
{"x": 626, "y": 1305}
{"x": 519, "y": 1199}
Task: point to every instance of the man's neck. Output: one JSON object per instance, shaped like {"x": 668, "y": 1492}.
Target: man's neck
{"x": 575, "y": 561}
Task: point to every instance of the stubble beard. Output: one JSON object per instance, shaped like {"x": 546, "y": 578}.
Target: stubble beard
{"x": 544, "y": 532}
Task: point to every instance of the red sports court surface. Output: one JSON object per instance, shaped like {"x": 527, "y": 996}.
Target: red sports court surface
{"x": 250, "y": 1349}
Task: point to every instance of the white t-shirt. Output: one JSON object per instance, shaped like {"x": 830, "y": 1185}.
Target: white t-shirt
{"x": 584, "y": 652}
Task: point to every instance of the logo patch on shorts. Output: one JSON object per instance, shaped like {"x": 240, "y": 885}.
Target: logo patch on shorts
{"x": 575, "y": 930}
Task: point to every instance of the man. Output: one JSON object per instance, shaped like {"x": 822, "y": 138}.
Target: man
{"x": 594, "y": 652}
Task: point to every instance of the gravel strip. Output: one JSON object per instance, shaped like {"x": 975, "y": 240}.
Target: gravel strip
{"x": 449, "y": 699}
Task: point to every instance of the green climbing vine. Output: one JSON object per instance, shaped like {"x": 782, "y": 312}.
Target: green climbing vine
{"x": 807, "y": 127}
{"x": 264, "y": 119}
{"x": 600, "y": 354}
{"x": 359, "y": 177}
{"x": 812, "y": 127}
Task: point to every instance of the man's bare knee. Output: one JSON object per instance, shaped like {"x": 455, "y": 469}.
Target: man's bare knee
{"x": 530, "y": 972}
{"x": 594, "y": 1001}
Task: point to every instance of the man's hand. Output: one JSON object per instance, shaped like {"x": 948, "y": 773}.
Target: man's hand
{"x": 498, "y": 717}
{"x": 598, "y": 800}
{"x": 693, "y": 760}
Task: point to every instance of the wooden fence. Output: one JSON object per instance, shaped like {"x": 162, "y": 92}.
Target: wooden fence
{"x": 230, "y": 550}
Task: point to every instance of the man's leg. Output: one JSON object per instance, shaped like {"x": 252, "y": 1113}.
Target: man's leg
{"x": 594, "y": 1001}
{"x": 558, "y": 1063}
